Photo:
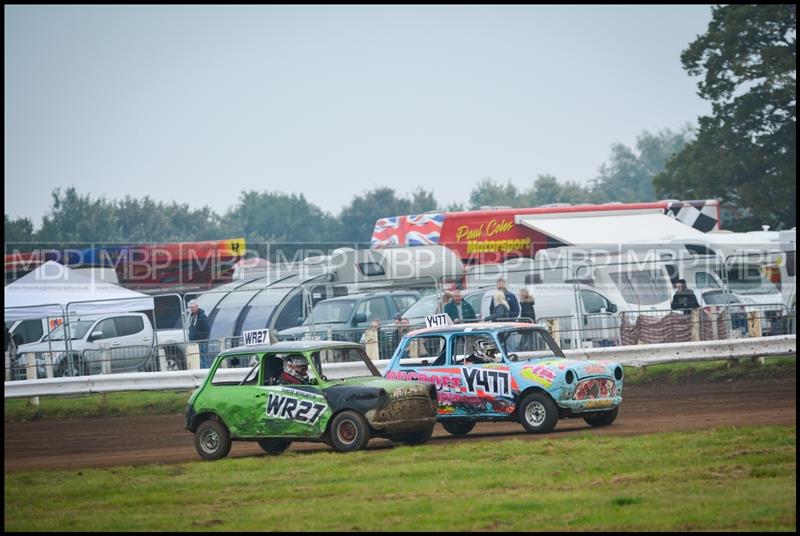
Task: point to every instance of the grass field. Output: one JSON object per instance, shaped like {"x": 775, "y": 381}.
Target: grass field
{"x": 153, "y": 403}
{"x": 726, "y": 479}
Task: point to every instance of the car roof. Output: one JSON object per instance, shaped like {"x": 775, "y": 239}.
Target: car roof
{"x": 476, "y": 326}
{"x": 291, "y": 346}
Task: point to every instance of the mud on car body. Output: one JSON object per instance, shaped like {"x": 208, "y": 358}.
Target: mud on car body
{"x": 343, "y": 410}
{"x": 506, "y": 372}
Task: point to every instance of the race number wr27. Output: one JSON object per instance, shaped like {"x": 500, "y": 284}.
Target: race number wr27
{"x": 287, "y": 407}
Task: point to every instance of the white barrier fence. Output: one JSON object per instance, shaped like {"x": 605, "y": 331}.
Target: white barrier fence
{"x": 642, "y": 355}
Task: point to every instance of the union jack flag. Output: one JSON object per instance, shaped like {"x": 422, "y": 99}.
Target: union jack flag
{"x": 414, "y": 230}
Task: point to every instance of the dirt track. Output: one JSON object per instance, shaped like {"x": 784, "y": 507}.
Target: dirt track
{"x": 106, "y": 442}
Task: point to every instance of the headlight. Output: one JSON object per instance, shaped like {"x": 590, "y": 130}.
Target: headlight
{"x": 618, "y": 373}
{"x": 569, "y": 377}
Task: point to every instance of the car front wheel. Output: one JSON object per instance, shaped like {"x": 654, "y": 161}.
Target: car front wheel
{"x": 538, "y": 413}
{"x": 602, "y": 419}
{"x": 414, "y": 438}
{"x": 349, "y": 431}
{"x": 212, "y": 440}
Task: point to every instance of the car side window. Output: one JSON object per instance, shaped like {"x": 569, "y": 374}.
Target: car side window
{"x": 463, "y": 348}
{"x": 128, "y": 325}
{"x": 223, "y": 377}
{"x": 593, "y": 302}
{"x": 374, "y": 309}
{"x": 424, "y": 352}
{"x": 107, "y": 327}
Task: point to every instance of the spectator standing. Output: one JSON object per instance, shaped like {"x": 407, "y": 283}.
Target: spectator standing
{"x": 199, "y": 331}
{"x": 683, "y": 299}
{"x": 458, "y": 310}
{"x": 526, "y": 303}
{"x": 371, "y": 339}
{"x": 510, "y": 299}
{"x": 499, "y": 307}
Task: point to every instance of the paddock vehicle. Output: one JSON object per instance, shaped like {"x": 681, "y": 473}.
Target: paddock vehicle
{"x": 342, "y": 405}
{"x": 124, "y": 342}
{"x": 506, "y": 372}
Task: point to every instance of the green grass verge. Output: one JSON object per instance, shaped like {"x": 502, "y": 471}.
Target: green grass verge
{"x": 725, "y": 479}
{"x": 161, "y": 403}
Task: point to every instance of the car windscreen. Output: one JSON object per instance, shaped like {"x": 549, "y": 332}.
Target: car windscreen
{"x": 528, "y": 343}
{"x": 331, "y": 312}
{"x": 76, "y": 331}
{"x": 717, "y": 297}
{"x": 345, "y": 362}
{"x": 749, "y": 279}
{"x": 642, "y": 287}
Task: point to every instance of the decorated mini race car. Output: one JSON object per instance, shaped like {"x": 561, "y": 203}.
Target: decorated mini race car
{"x": 506, "y": 372}
{"x": 286, "y": 396}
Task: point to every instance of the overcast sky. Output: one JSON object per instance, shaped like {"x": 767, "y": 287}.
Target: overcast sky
{"x": 197, "y": 103}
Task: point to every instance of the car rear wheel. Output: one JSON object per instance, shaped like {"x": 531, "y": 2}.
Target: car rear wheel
{"x": 72, "y": 365}
{"x": 349, "y": 431}
{"x": 538, "y": 413}
{"x": 274, "y": 446}
{"x": 212, "y": 440}
{"x": 602, "y": 419}
{"x": 458, "y": 427}
{"x": 414, "y": 438}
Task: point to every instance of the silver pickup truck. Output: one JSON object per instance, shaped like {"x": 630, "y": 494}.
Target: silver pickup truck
{"x": 120, "y": 342}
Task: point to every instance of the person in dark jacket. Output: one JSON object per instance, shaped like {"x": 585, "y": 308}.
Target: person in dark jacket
{"x": 199, "y": 331}
{"x": 513, "y": 304}
{"x": 684, "y": 299}
{"x": 458, "y": 310}
{"x": 526, "y": 302}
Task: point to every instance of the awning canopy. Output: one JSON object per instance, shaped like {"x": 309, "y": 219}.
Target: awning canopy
{"x": 52, "y": 288}
{"x": 602, "y": 229}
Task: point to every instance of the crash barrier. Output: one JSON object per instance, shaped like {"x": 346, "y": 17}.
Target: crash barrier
{"x": 784, "y": 345}
{"x": 599, "y": 331}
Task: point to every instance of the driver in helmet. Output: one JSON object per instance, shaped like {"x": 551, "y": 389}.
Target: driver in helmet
{"x": 295, "y": 370}
{"x": 484, "y": 351}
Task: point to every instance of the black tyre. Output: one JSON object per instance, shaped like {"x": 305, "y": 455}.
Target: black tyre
{"x": 274, "y": 446}
{"x": 414, "y": 438}
{"x": 212, "y": 440}
{"x": 349, "y": 431}
{"x": 174, "y": 358}
{"x": 538, "y": 413}
{"x": 458, "y": 427}
{"x": 72, "y": 365}
{"x": 602, "y": 419}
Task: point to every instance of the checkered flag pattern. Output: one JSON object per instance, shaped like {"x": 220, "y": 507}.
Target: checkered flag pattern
{"x": 703, "y": 215}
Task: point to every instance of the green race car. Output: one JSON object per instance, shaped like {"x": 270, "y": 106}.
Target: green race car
{"x": 286, "y": 396}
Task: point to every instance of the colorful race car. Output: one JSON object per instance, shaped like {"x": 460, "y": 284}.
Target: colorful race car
{"x": 506, "y": 372}
{"x": 286, "y": 396}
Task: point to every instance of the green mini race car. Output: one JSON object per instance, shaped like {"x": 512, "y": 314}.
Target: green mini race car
{"x": 286, "y": 396}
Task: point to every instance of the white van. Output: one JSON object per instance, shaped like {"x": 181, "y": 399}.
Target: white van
{"x": 634, "y": 284}
{"x": 589, "y": 321}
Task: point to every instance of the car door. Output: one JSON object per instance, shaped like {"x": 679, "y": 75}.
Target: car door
{"x": 424, "y": 358}
{"x": 133, "y": 344}
{"x": 485, "y": 389}
{"x": 599, "y": 322}
{"x": 288, "y": 410}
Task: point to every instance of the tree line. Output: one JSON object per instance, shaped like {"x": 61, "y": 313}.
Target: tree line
{"x": 743, "y": 154}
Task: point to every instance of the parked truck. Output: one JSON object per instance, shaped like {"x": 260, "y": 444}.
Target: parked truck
{"x": 120, "y": 342}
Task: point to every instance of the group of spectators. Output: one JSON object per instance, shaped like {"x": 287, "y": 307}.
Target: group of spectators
{"x": 504, "y": 305}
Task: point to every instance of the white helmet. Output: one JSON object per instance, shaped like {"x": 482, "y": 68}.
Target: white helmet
{"x": 486, "y": 349}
